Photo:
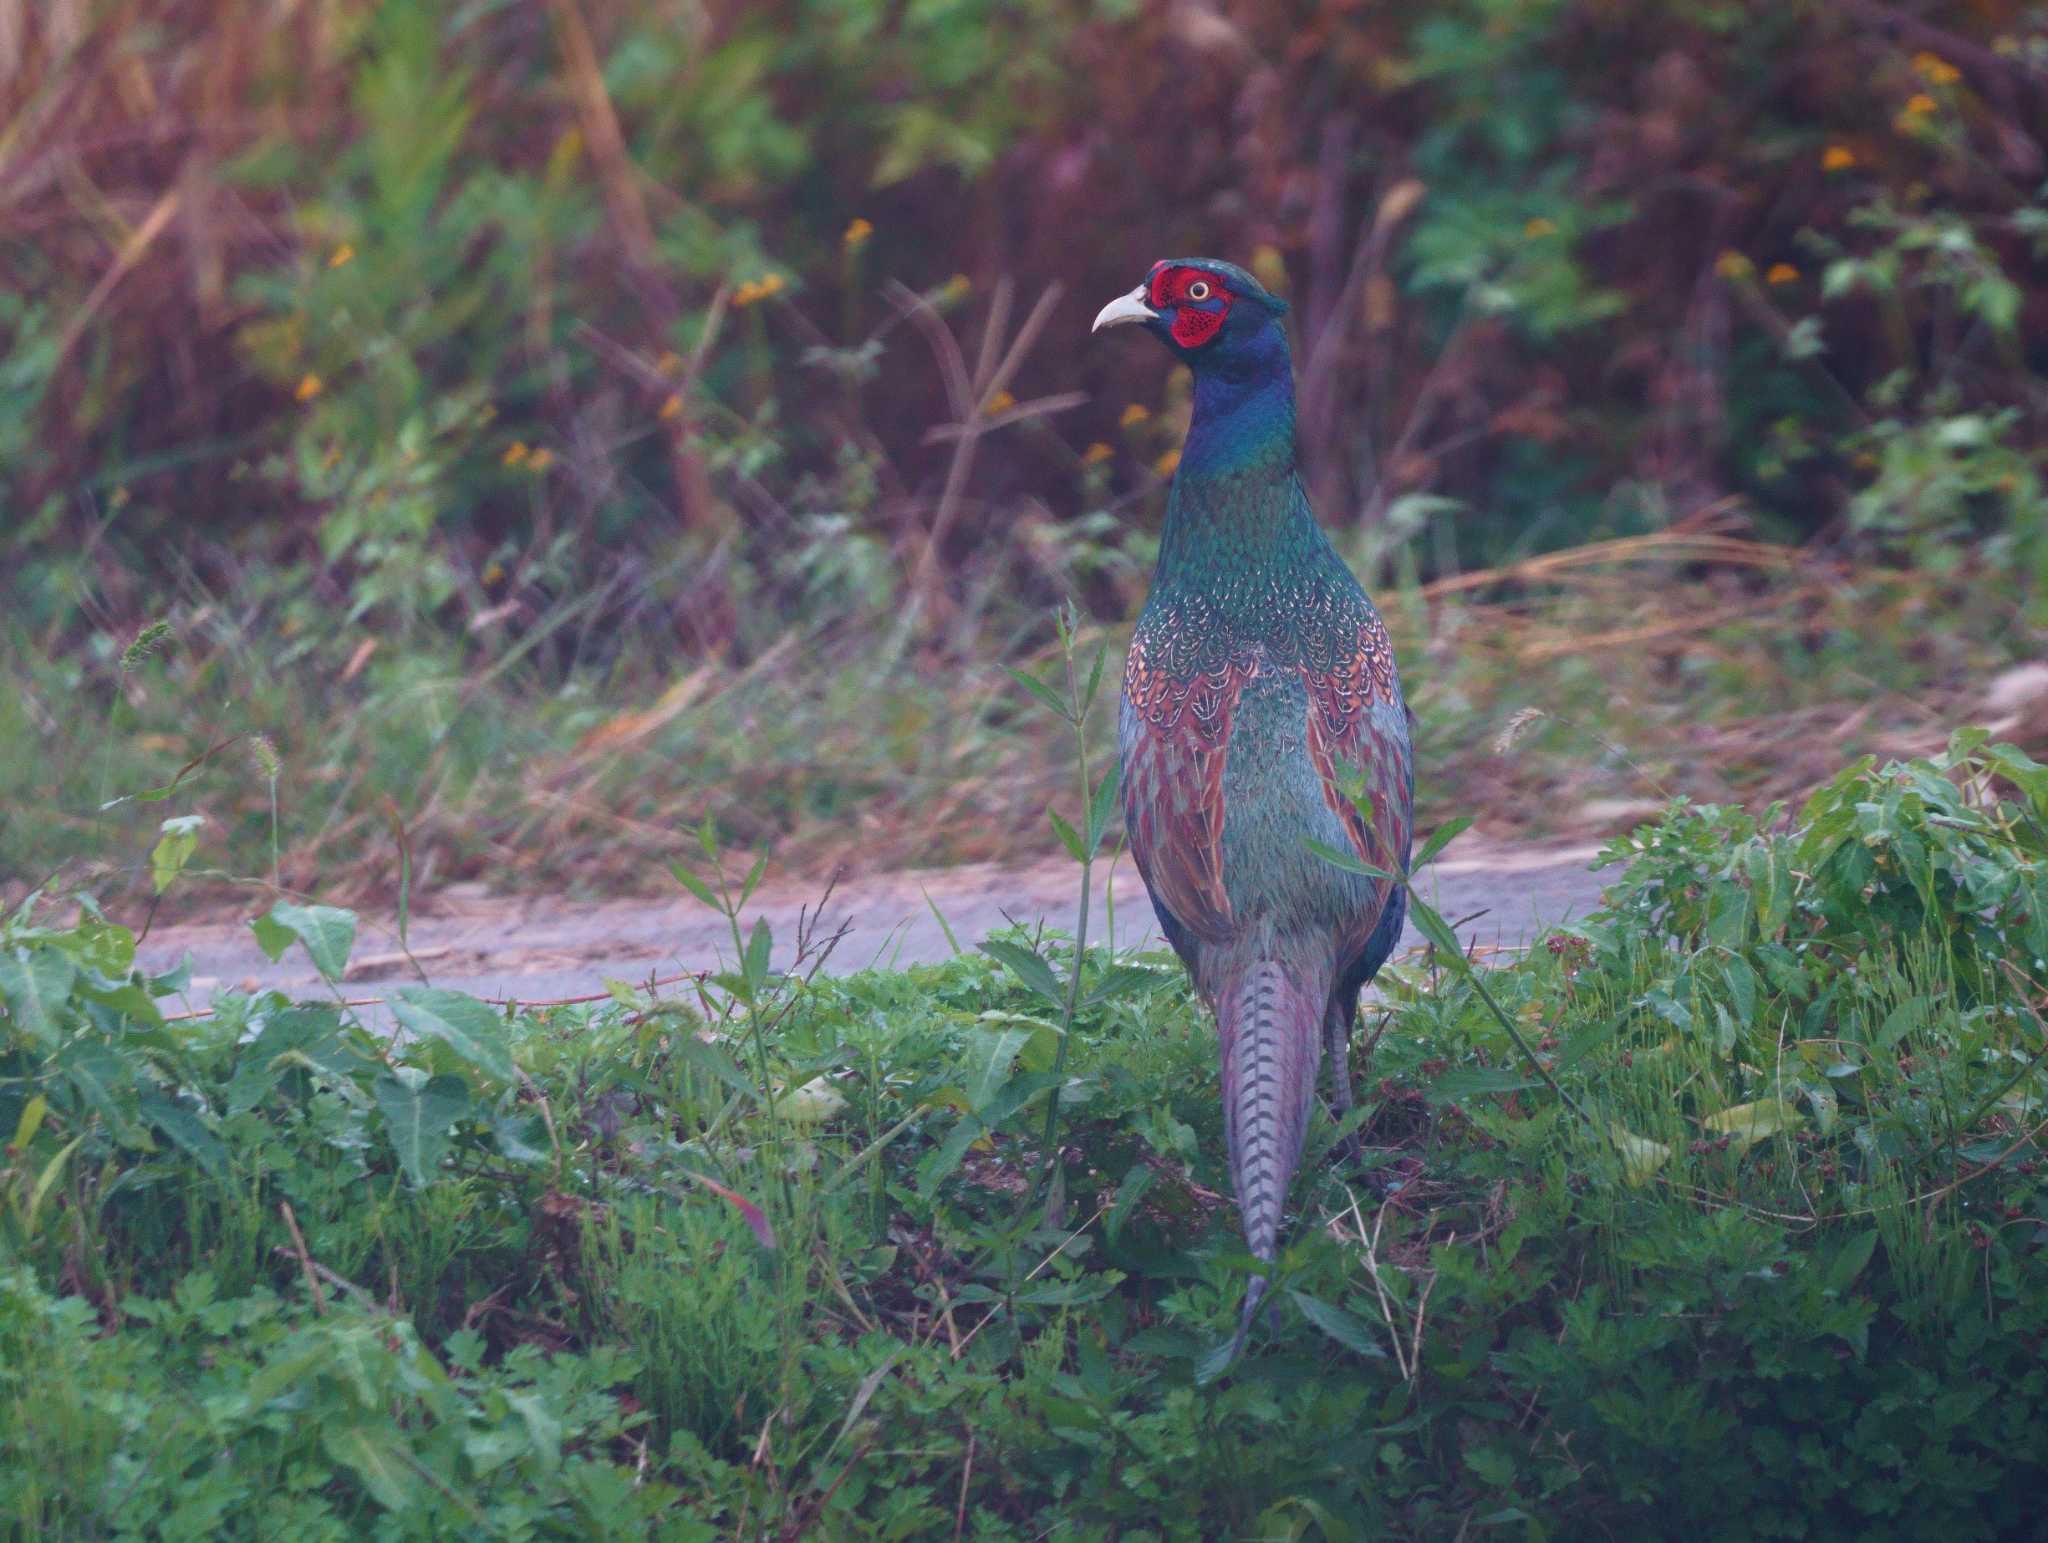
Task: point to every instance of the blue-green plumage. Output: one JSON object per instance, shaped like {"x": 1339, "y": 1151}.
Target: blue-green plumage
{"x": 1259, "y": 696}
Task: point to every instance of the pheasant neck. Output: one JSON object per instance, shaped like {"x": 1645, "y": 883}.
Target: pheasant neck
{"x": 1236, "y": 508}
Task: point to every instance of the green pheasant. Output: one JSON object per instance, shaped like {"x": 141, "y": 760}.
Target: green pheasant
{"x": 1259, "y": 695}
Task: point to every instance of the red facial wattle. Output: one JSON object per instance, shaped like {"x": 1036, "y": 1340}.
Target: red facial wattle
{"x": 1198, "y": 300}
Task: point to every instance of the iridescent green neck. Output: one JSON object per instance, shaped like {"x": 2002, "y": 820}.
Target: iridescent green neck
{"x": 1235, "y": 504}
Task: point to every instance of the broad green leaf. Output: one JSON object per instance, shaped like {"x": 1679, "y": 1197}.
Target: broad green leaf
{"x": 990, "y": 1056}
{"x": 1640, "y": 1156}
{"x": 1128, "y": 1194}
{"x": 1747, "y": 1124}
{"x": 36, "y": 983}
{"x": 1352, "y": 1332}
{"x": 1120, "y": 980}
{"x": 30, "y": 1122}
{"x": 381, "y": 1459}
{"x": 173, "y": 849}
{"x": 327, "y": 932}
{"x": 1028, "y": 967}
{"x": 468, "y": 1027}
{"x": 713, "y": 1059}
{"x": 418, "y": 1120}
{"x": 104, "y": 1081}
{"x": 1849, "y": 1263}
{"x": 177, "y": 1120}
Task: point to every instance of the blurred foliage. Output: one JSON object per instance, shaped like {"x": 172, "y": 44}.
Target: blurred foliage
{"x": 573, "y": 345}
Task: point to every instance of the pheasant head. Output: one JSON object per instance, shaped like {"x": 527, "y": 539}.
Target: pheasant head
{"x": 1212, "y": 314}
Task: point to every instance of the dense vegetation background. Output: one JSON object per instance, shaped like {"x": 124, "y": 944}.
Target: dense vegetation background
{"x": 538, "y": 415}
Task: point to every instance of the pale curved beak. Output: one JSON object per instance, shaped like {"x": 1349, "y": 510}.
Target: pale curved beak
{"x": 1125, "y": 308}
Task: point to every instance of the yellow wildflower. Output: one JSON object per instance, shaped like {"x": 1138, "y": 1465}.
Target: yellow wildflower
{"x": 1733, "y": 265}
{"x": 309, "y": 388}
{"x": 1782, "y": 273}
{"x": 1096, "y": 454}
{"x": 540, "y": 460}
{"x": 1001, "y": 402}
{"x": 1920, "y": 103}
{"x": 515, "y": 453}
{"x": 669, "y": 361}
{"x": 857, "y": 232}
{"x": 1935, "y": 70}
{"x": 1837, "y": 158}
{"x": 493, "y": 571}
{"x": 673, "y": 407}
{"x": 1133, "y": 415}
{"x": 343, "y": 255}
{"x": 1538, "y": 228}
{"x": 1165, "y": 465}
{"x": 747, "y": 294}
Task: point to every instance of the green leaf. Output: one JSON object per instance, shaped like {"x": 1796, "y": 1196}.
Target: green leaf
{"x": 468, "y": 1027}
{"x": 1128, "y": 1194}
{"x": 1438, "y": 931}
{"x": 1442, "y": 837}
{"x": 1069, "y": 837}
{"x": 418, "y": 1120}
{"x": 1103, "y": 804}
{"x": 1640, "y": 1156}
{"x": 327, "y": 932}
{"x": 173, "y": 848}
{"x": 1119, "y": 980}
{"x": 755, "y": 965}
{"x": 378, "y": 1457}
{"x": 36, "y": 983}
{"x": 1849, "y": 1263}
{"x": 990, "y": 1056}
{"x": 1747, "y": 1124}
{"x": 693, "y": 884}
{"x": 711, "y": 1058}
{"x": 1028, "y": 967}
{"x": 1051, "y": 698}
{"x": 176, "y": 1119}
{"x": 105, "y": 1082}
{"x": 1353, "y": 1333}
{"x": 1348, "y": 861}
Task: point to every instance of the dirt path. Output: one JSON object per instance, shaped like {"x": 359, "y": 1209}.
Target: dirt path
{"x": 547, "y": 947}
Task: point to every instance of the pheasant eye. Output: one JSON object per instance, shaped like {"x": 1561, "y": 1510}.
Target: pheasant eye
{"x": 1198, "y": 290}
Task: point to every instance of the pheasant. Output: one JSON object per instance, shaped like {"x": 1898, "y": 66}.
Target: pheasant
{"x": 1260, "y": 694}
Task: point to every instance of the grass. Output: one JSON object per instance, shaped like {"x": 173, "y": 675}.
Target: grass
{"x": 767, "y": 1258}
{"x": 1734, "y": 669}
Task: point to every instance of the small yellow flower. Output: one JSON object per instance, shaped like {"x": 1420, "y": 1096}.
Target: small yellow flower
{"x": 1920, "y": 104}
{"x": 958, "y": 287}
{"x": 672, "y": 408}
{"x": 746, "y": 295}
{"x": 1935, "y": 70}
{"x": 772, "y": 285}
{"x": 1538, "y": 228}
{"x": 669, "y": 361}
{"x": 540, "y": 460}
{"x": 343, "y": 255}
{"x": 309, "y": 388}
{"x": 1001, "y": 402}
{"x": 857, "y": 233}
{"x": 493, "y": 571}
{"x": 1837, "y": 158}
{"x": 1782, "y": 273}
{"x": 1733, "y": 265}
{"x": 1096, "y": 454}
{"x": 515, "y": 453}
{"x": 1133, "y": 415}
{"x": 1165, "y": 465}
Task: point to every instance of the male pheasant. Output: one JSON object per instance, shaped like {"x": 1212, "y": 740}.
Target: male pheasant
{"x": 1259, "y": 694}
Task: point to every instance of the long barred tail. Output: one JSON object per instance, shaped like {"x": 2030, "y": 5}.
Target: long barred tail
{"x": 1270, "y": 1022}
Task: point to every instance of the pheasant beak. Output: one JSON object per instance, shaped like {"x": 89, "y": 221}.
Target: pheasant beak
{"x": 1125, "y": 308}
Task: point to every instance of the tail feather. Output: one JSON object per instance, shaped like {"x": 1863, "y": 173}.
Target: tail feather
{"x": 1270, "y": 1020}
